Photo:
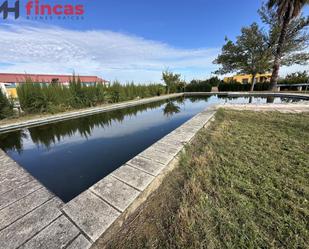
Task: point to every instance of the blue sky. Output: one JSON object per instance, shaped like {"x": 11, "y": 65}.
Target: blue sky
{"x": 127, "y": 40}
{"x": 188, "y": 24}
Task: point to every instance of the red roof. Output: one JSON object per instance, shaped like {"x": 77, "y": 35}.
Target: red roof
{"x": 15, "y": 77}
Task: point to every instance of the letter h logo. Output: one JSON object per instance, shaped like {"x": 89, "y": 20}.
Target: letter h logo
{"x": 6, "y": 9}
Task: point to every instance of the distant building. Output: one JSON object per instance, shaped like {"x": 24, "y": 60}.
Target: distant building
{"x": 247, "y": 78}
{"x": 11, "y": 80}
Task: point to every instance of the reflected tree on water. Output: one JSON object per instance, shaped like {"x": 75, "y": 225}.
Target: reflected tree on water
{"x": 197, "y": 98}
{"x": 47, "y": 135}
{"x": 270, "y": 99}
{"x": 170, "y": 109}
{"x": 13, "y": 140}
{"x": 180, "y": 100}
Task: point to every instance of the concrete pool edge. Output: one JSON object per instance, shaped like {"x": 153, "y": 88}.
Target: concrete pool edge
{"x": 32, "y": 217}
{"x": 95, "y": 110}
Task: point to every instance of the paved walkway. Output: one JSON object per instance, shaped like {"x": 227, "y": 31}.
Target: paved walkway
{"x": 284, "y": 108}
{"x": 31, "y": 216}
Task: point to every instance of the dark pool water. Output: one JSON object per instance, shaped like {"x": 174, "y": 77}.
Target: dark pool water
{"x": 70, "y": 156}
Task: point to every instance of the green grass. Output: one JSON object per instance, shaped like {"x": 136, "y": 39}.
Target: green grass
{"x": 242, "y": 183}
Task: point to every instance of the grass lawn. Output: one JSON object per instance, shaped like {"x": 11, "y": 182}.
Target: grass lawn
{"x": 242, "y": 183}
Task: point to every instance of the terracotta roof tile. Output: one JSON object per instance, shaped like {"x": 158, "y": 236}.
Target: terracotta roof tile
{"x": 14, "y": 77}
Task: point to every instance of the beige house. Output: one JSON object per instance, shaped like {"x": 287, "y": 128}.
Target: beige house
{"x": 247, "y": 78}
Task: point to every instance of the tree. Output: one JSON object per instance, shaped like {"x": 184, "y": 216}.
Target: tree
{"x": 250, "y": 54}
{"x": 295, "y": 78}
{"x": 171, "y": 81}
{"x": 284, "y": 30}
{"x": 199, "y": 86}
{"x": 181, "y": 86}
{"x": 6, "y": 106}
{"x": 214, "y": 81}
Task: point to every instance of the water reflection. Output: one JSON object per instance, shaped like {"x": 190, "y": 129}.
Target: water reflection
{"x": 46, "y": 135}
{"x": 197, "y": 98}
{"x": 170, "y": 109}
{"x": 13, "y": 140}
{"x": 270, "y": 99}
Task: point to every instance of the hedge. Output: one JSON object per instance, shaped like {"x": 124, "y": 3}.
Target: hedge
{"x": 198, "y": 86}
{"x": 54, "y": 97}
{"x": 238, "y": 87}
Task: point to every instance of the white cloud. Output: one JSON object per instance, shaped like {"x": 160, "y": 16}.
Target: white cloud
{"x": 111, "y": 55}
{"x": 291, "y": 69}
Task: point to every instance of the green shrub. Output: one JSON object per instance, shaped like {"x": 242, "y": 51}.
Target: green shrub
{"x": 295, "y": 78}
{"x": 214, "y": 81}
{"x": 6, "y": 106}
{"x": 198, "y": 86}
{"x": 54, "y": 97}
{"x": 117, "y": 92}
{"x": 238, "y": 87}
{"x": 262, "y": 86}
{"x": 292, "y": 79}
{"x": 31, "y": 97}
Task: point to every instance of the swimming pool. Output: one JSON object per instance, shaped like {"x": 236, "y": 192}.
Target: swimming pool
{"x": 70, "y": 156}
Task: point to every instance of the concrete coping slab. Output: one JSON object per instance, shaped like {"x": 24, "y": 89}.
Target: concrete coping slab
{"x": 23, "y": 206}
{"x": 133, "y": 176}
{"x": 147, "y": 165}
{"x": 59, "y": 234}
{"x": 18, "y": 192}
{"x": 80, "y": 243}
{"x": 91, "y": 214}
{"x": 115, "y": 192}
{"x": 170, "y": 149}
{"x": 28, "y": 226}
{"x": 162, "y": 157}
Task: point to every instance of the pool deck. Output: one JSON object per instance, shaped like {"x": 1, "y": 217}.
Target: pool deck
{"x": 284, "y": 108}
{"x": 32, "y": 217}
